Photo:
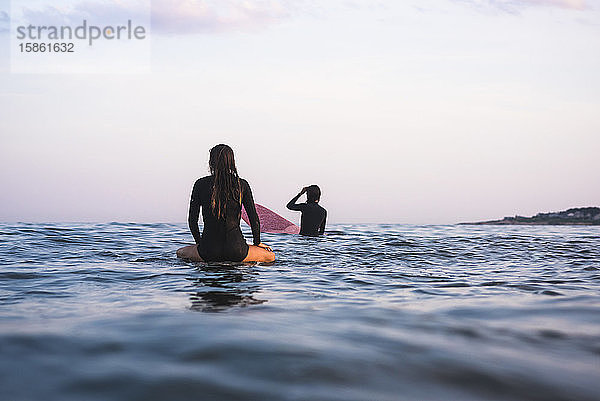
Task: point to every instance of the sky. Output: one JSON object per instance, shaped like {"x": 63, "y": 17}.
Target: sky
{"x": 417, "y": 112}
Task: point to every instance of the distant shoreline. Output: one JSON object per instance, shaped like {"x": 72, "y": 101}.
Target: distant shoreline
{"x": 583, "y": 216}
{"x": 537, "y": 223}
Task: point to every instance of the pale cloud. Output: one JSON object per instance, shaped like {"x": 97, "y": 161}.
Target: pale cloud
{"x": 571, "y": 4}
{"x": 210, "y": 16}
{"x": 206, "y": 16}
{"x": 514, "y": 5}
{"x": 172, "y": 16}
{"x": 215, "y": 16}
{"x": 195, "y": 16}
{"x": 107, "y": 11}
{"x": 577, "y": 4}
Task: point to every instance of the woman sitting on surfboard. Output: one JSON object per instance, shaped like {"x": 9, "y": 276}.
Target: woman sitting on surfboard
{"x": 221, "y": 196}
{"x": 313, "y": 217}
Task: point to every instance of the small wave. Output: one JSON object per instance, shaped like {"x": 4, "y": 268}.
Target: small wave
{"x": 21, "y": 275}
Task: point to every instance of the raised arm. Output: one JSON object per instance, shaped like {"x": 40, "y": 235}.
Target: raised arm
{"x": 322, "y": 228}
{"x": 195, "y": 212}
{"x": 248, "y": 202}
{"x": 292, "y": 205}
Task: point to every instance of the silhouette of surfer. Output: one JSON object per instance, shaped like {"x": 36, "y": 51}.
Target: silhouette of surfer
{"x": 221, "y": 196}
{"x": 313, "y": 218}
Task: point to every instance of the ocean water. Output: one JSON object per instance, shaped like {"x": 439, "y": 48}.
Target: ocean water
{"x": 366, "y": 312}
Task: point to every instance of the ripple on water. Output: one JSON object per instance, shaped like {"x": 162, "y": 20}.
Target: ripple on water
{"x": 386, "y": 312}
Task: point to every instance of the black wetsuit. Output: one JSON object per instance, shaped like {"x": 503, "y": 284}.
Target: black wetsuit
{"x": 221, "y": 239}
{"x": 313, "y": 217}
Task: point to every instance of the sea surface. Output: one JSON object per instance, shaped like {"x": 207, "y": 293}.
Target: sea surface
{"x": 366, "y": 312}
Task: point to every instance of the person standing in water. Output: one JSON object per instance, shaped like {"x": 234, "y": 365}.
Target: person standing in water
{"x": 221, "y": 196}
{"x": 313, "y": 217}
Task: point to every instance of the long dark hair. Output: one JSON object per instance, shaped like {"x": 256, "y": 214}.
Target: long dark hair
{"x": 227, "y": 182}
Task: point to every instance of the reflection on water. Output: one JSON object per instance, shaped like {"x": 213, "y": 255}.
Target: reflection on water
{"x": 219, "y": 287}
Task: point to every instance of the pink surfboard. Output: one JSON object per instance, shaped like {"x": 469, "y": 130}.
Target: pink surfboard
{"x": 271, "y": 222}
